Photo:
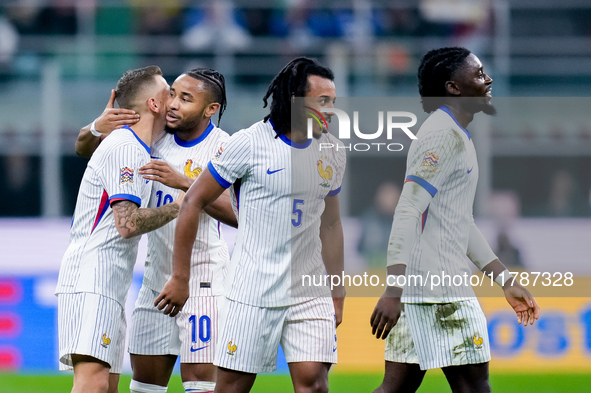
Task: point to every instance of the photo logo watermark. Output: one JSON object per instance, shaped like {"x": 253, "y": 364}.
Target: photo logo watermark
{"x": 396, "y": 121}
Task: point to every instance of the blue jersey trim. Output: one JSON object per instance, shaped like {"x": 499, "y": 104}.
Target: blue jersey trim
{"x": 138, "y": 138}
{"x": 334, "y": 192}
{"x": 195, "y": 141}
{"x": 424, "y": 183}
{"x": 446, "y": 110}
{"x": 297, "y": 145}
{"x": 217, "y": 176}
{"x": 127, "y": 197}
{"x": 289, "y": 142}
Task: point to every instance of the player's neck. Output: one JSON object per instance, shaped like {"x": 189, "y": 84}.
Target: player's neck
{"x": 195, "y": 132}
{"x": 296, "y": 136}
{"x": 461, "y": 115}
{"x": 147, "y": 128}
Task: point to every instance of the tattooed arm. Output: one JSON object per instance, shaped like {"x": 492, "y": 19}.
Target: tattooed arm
{"x": 131, "y": 220}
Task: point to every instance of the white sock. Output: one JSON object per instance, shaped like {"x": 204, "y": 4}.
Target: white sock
{"x": 199, "y": 386}
{"x": 140, "y": 387}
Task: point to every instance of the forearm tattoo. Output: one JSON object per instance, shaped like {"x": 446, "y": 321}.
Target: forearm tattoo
{"x": 136, "y": 221}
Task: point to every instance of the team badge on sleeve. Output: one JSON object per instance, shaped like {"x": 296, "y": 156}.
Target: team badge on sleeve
{"x": 126, "y": 175}
{"x": 430, "y": 161}
{"x": 219, "y": 153}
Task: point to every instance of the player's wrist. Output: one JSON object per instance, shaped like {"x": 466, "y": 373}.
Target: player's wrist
{"x": 393, "y": 291}
{"x": 93, "y": 130}
{"x": 503, "y": 278}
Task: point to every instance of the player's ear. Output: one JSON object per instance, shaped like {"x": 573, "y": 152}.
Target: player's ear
{"x": 153, "y": 104}
{"x": 211, "y": 109}
{"x": 452, "y": 88}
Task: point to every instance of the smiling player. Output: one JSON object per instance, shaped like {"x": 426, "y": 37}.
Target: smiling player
{"x": 433, "y": 231}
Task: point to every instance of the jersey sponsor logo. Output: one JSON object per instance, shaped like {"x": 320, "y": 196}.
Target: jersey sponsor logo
{"x": 430, "y": 161}
{"x": 126, "y": 175}
{"x": 270, "y": 172}
{"x": 232, "y": 348}
{"x": 198, "y": 349}
{"x": 325, "y": 174}
{"x": 470, "y": 170}
{"x": 478, "y": 340}
{"x": 192, "y": 173}
{"x": 105, "y": 341}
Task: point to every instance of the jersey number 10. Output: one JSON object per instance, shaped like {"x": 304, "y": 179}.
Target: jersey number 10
{"x": 203, "y": 326}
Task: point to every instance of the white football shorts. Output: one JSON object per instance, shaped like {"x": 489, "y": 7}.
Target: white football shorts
{"x": 249, "y": 336}
{"x": 152, "y": 332}
{"x": 191, "y": 334}
{"x": 440, "y": 335}
{"x": 93, "y": 325}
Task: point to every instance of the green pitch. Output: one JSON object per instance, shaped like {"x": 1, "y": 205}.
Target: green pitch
{"x": 339, "y": 383}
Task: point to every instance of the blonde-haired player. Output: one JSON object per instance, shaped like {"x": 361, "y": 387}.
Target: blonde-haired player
{"x": 110, "y": 214}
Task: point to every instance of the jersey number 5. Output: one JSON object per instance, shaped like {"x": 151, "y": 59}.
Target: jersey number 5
{"x": 297, "y": 220}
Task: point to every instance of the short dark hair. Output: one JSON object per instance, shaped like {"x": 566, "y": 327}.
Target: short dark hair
{"x": 437, "y": 67}
{"x": 214, "y": 83}
{"x": 133, "y": 82}
{"x": 292, "y": 80}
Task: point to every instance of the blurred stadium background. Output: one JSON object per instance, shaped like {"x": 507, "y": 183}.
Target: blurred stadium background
{"x": 60, "y": 58}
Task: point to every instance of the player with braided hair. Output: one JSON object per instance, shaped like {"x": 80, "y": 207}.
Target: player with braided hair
{"x": 178, "y": 157}
{"x": 292, "y": 81}
{"x": 289, "y": 227}
{"x": 442, "y": 326}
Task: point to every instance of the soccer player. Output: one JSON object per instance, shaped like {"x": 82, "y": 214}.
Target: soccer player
{"x": 110, "y": 214}
{"x": 442, "y": 326}
{"x": 289, "y": 224}
{"x": 180, "y": 155}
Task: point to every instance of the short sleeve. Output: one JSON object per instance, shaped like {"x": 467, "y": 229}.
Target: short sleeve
{"x": 232, "y": 160}
{"x": 340, "y": 166}
{"x": 120, "y": 174}
{"x": 433, "y": 159}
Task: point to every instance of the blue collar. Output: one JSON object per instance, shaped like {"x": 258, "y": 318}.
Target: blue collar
{"x": 446, "y": 110}
{"x": 195, "y": 141}
{"x": 138, "y": 138}
{"x": 291, "y": 143}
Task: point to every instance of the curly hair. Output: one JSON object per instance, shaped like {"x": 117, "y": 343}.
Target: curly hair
{"x": 292, "y": 80}
{"x": 437, "y": 67}
{"x": 215, "y": 84}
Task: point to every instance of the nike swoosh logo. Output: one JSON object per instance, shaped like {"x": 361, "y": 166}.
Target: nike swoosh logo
{"x": 198, "y": 349}
{"x": 270, "y": 172}
{"x": 470, "y": 170}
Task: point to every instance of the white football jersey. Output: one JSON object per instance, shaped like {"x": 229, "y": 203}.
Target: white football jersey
{"x": 210, "y": 252}
{"x": 443, "y": 161}
{"x": 99, "y": 260}
{"x": 278, "y": 189}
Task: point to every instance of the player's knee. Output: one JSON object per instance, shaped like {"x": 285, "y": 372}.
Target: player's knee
{"x": 484, "y": 387}
{"x": 319, "y": 385}
{"x": 199, "y": 386}
{"x": 140, "y": 387}
{"x": 96, "y": 386}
